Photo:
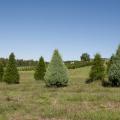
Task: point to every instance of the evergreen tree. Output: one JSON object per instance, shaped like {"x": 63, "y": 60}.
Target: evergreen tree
{"x": 11, "y": 74}
{"x": 56, "y": 74}
{"x": 1, "y": 71}
{"x": 114, "y": 71}
{"x": 40, "y": 70}
{"x": 98, "y": 69}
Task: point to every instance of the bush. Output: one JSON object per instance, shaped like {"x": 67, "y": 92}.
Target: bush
{"x": 1, "y": 71}
{"x": 40, "y": 70}
{"x": 11, "y": 74}
{"x": 56, "y": 74}
{"x": 114, "y": 71}
{"x": 98, "y": 69}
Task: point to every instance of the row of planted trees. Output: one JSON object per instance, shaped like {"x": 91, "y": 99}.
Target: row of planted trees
{"x": 56, "y": 73}
{"x": 98, "y": 70}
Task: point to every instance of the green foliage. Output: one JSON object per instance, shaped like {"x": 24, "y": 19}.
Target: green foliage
{"x": 11, "y": 74}
{"x": 110, "y": 62}
{"x": 26, "y": 68}
{"x": 85, "y": 57}
{"x": 40, "y": 70}
{"x": 114, "y": 71}
{"x": 56, "y": 74}
{"x": 77, "y": 64}
{"x": 20, "y": 62}
{"x": 98, "y": 69}
{"x": 1, "y": 71}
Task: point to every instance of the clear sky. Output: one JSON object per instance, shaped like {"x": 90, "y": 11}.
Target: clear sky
{"x": 31, "y": 28}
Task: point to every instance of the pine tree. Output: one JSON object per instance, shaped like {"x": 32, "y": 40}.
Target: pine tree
{"x": 11, "y": 74}
{"x": 1, "y": 71}
{"x": 56, "y": 74}
{"x": 40, "y": 70}
{"x": 114, "y": 71}
{"x": 98, "y": 69}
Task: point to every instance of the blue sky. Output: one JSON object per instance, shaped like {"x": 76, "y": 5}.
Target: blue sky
{"x": 31, "y": 28}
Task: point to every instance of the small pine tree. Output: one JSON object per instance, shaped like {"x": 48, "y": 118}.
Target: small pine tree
{"x": 40, "y": 70}
{"x": 11, "y": 74}
{"x": 98, "y": 69}
{"x": 56, "y": 74}
{"x": 114, "y": 71}
{"x": 1, "y": 72}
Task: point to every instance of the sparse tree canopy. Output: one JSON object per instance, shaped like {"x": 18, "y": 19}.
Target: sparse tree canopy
{"x": 85, "y": 57}
{"x": 11, "y": 74}
{"x": 98, "y": 69}
{"x": 1, "y": 71}
{"x": 40, "y": 70}
{"x": 114, "y": 71}
{"x": 56, "y": 74}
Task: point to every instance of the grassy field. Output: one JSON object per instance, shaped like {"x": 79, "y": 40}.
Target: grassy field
{"x": 31, "y": 100}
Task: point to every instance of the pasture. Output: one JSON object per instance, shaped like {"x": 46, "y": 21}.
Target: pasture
{"x": 32, "y": 100}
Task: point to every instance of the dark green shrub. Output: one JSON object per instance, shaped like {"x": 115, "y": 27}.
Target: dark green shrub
{"x": 56, "y": 74}
{"x": 11, "y": 74}
{"x": 40, "y": 70}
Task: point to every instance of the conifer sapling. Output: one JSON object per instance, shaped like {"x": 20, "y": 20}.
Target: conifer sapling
{"x": 40, "y": 70}
{"x": 11, "y": 74}
{"x": 56, "y": 74}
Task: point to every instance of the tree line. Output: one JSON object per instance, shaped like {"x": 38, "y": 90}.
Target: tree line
{"x": 85, "y": 60}
{"x": 55, "y": 75}
{"x": 20, "y": 62}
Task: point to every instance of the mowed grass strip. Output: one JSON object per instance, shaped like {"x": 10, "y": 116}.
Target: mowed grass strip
{"x": 32, "y": 100}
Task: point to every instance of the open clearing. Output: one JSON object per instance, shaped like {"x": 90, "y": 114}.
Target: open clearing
{"x": 31, "y": 100}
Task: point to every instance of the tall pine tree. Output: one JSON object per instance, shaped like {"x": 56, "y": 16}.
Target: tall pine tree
{"x": 1, "y": 71}
{"x": 40, "y": 70}
{"x": 98, "y": 69}
{"x": 56, "y": 74}
{"x": 114, "y": 71}
{"x": 11, "y": 74}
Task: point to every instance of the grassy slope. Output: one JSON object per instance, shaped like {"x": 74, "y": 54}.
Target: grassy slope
{"x": 31, "y": 100}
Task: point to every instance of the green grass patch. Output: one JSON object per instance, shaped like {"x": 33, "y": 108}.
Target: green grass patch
{"x": 32, "y": 100}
